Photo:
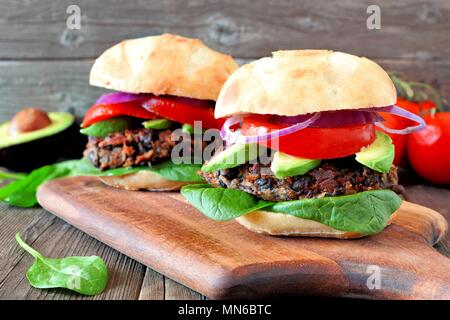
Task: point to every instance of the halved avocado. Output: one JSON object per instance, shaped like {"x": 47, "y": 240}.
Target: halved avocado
{"x": 26, "y": 151}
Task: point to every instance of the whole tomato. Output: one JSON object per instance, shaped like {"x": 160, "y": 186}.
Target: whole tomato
{"x": 395, "y": 122}
{"x": 429, "y": 150}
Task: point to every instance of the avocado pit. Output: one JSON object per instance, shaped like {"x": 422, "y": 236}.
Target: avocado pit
{"x": 28, "y": 120}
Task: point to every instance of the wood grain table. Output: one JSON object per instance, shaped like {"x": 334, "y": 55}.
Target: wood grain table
{"x": 45, "y": 64}
{"x": 128, "y": 278}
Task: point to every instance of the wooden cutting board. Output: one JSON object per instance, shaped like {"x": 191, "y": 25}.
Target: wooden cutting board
{"x": 224, "y": 260}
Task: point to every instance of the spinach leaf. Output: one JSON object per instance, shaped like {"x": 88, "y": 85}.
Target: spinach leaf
{"x": 22, "y": 193}
{"x": 178, "y": 172}
{"x": 221, "y": 204}
{"x": 11, "y": 176}
{"x": 366, "y": 212}
{"x": 85, "y": 275}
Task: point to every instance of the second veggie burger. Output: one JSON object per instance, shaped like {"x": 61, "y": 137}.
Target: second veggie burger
{"x": 304, "y": 155}
{"x": 163, "y": 83}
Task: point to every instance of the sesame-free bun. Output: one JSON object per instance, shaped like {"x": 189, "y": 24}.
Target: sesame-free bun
{"x": 296, "y": 82}
{"x": 163, "y": 64}
{"x": 142, "y": 180}
{"x": 279, "y": 224}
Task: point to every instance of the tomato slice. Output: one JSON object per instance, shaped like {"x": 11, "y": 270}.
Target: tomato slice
{"x": 180, "y": 110}
{"x": 102, "y": 111}
{"x": 312, "y": 143}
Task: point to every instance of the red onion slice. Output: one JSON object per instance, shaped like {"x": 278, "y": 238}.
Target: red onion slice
{"x": 333, "y": 119}
{"x": 120, "y": 97}
{"x": 396, "y": 110}
{"x": 232, "y": 137}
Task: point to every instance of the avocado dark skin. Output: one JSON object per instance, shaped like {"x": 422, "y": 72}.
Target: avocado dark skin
{"x": 35, "y": 152}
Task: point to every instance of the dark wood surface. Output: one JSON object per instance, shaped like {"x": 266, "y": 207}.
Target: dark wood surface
{"x": 225, "y": 260}
{"x": 44, "y": 64}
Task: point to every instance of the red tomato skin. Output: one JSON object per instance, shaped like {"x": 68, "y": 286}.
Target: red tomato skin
{"x": 182, "y": 112}
{"x": 314, "y": 143}
{"x": 429, "y": 149}
{"x": 101, "y": 112}
{"x": 399, "y": 141}
{"x": 394, "y": 122}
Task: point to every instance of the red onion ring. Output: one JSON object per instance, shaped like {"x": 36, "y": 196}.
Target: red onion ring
{"x": 232, "y": 137}
{"x": 400, "y": 112}
{"x": 333, "y": 119}
{"x": 120, "y": 97}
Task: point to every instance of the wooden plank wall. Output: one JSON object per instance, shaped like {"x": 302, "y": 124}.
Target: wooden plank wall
{"x": 43, "y": 63}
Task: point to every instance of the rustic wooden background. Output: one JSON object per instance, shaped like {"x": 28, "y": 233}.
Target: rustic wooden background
{"x": 44, "y": 64}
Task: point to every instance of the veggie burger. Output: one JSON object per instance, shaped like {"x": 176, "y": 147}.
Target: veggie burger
{"x": 162, "y": 83}
{"x": 306, "y": 153}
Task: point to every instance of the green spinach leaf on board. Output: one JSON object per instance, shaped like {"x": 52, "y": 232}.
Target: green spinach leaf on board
{"x": 221, "y": 204}
{"x": 85, "y": 275}
{"x": 22, "y": 193}
{"x": 366, "y": 212}
{"x": 11, "y": 176}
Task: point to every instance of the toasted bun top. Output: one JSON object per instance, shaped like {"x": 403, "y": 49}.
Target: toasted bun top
{"x": 164, "y": 64}
{"x": 296, "y": 82}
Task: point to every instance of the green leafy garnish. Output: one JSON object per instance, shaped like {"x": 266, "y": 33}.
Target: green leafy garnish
{"x": 416, "y": 91}
{"x": 11, "y": 176}
{"x": 178, "y": 172}
{"x": 158, "y": 124}
{"x": 221, "y": 204}
{"x": 85, "y": 275}
{"x": 22, "y": 193}
{"x": 104, "y": 128}
{"x": 366, "y": 212}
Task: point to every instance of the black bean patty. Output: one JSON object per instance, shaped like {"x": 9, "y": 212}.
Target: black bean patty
{"x": 130, "y": 148}
{"x": 331, "y": 178}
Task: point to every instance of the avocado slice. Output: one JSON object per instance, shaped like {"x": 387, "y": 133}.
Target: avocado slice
{"x": 379, "y": 154}
{"x": 158, "y": 124}
{"x": 104, "y": 128}
{"x": 29, "y": 150}
{"x": 284, "y": 165}
{"x": 233, "y": 156}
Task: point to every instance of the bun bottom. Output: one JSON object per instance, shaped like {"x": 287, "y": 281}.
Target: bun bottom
{"x": 279, "y": 224}
{"x": 143, "y": 180}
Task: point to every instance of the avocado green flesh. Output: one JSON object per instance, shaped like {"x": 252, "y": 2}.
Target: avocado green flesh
{"x": 60, "y": 122}
{"x": 379, "y": 155}
{"x": 187, "y": 128}
{"x": 284, "y": 165}
{"x": 104, "y": 128}
{"x": 158, "y": 124}
{"x": 233, "y": 156}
